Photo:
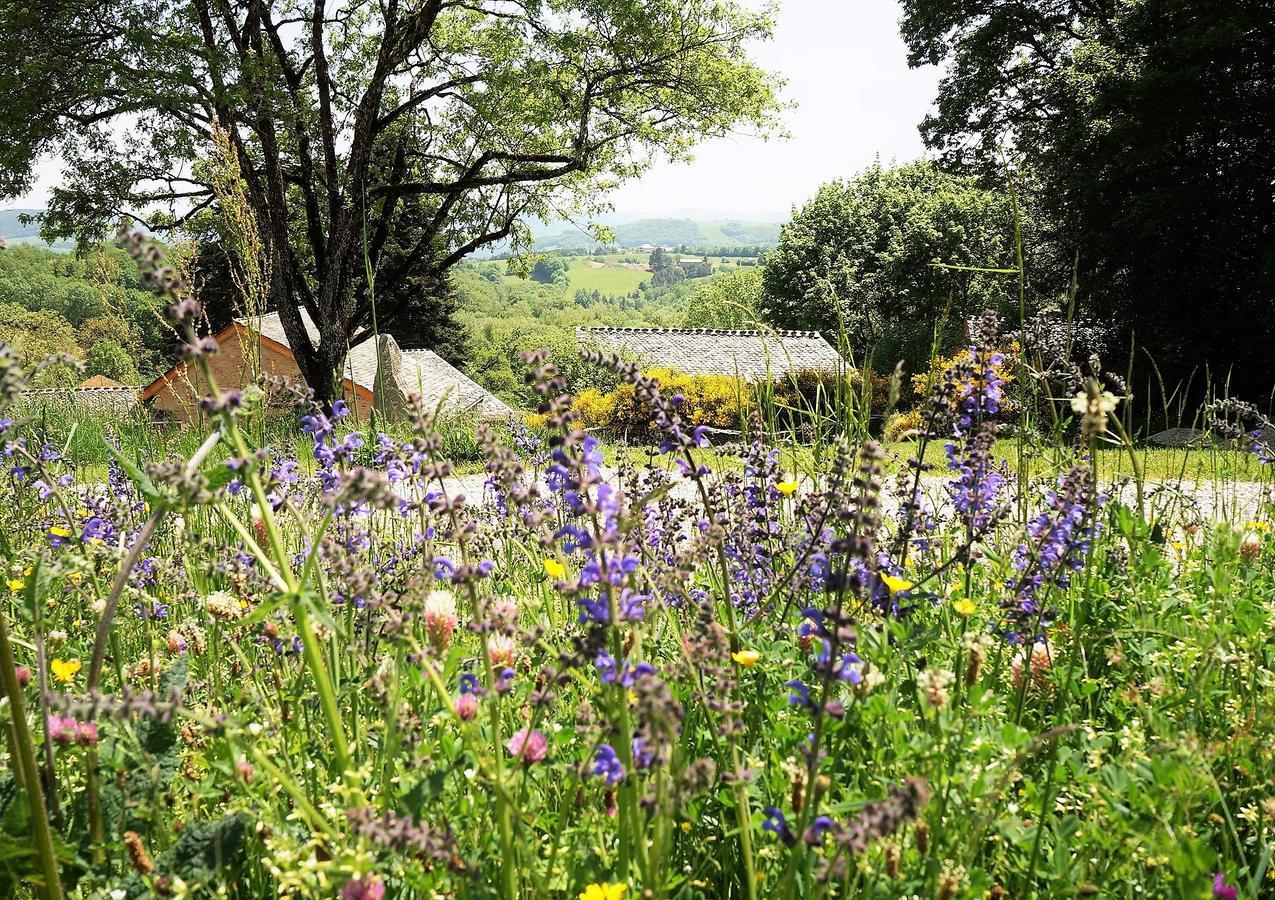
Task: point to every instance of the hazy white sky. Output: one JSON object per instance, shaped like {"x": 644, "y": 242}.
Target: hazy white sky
{"x": 846, "y": 68}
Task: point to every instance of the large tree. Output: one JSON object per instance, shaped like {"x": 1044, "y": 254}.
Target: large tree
{"x": 479, "y": 113}
{"x": 859, "y": 259}
{"x": 1145, "y": 130}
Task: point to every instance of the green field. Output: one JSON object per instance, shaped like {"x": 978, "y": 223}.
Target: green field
{"x": 607, "y": 274}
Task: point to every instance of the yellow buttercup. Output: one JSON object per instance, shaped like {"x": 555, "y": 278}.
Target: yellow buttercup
{"x": 604, "y": 892}
{"x": 896, "y": 584}
{"x": 746, "y": 658}
{"x": 64, "y": 669}
{"x": 555, "y": 569}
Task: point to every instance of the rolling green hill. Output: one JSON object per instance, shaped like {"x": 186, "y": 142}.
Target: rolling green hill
{"x": 669, "y": 233}
{"x": 15, "y": 231}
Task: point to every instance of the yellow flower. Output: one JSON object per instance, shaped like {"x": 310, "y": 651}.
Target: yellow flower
{"x": 965, "y": 607}
{"x": 604, "y": 892}
{"x": 17, "y": 584}
{"x": 1258, "y": 526}
{"x": 59, "y": 531}
{"x": 64, "y": 669}
{"x": 787, "y": 487}
{"x": 896, "y": 584}
{"x": 746, "y": 658}
{"x": 555, "y": 569}
{"x": 75, "y": 577}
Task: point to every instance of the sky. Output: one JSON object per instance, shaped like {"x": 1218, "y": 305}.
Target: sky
{"x": 846, "y": 67}
{"x": 855, "y": 99}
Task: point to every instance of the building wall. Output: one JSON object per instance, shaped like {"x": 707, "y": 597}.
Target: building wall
{"x": 178, "y": 399}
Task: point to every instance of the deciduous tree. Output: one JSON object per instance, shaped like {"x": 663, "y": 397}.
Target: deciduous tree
{"x": 485, "y": 112}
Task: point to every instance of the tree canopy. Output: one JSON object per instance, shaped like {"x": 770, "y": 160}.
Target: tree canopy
{"x": 486, "y": 113}
{"x": 729, "y": 301}
{"x": 1144, "y": 131}
{"x": 859, "y": 258}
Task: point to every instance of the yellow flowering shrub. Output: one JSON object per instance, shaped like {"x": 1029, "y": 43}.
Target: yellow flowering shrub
{"x": 713, "y": 400}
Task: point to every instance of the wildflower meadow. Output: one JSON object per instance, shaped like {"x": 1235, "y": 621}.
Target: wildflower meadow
{"x": 310, "y": 666}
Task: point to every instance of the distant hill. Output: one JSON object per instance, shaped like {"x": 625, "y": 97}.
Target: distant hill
{"x": 15, "y": 231}
{"x": 669, "y": 233}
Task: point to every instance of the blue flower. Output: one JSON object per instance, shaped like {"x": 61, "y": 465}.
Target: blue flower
{"x": 777, "y": 825}
{"x": 607, "y": 765}
{"x": 818, "y": 828}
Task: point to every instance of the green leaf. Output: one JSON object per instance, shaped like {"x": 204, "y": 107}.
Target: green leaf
{"x": 134, "y": 472}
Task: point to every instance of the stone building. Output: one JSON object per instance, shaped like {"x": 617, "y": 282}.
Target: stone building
{"x": 249, "y": 345}
{"x": 751, "y": 355}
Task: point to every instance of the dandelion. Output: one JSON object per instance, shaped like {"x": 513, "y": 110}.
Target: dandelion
{"x": 555, "y": 570}
{"x": 787, "y": 488}
{"x": 604, "y": 892}
{"x": 965, "y": 607}
{"x": 896, "y": 584}
{"x": 64, "y": 669}
{"x": 746, "y": 658}
{"x": 528, "y": 747}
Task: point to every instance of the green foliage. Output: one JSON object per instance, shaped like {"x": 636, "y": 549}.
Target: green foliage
{"x": 730, "y": 301}
{"x": 97, "y": 295}
{"x": 37, "y": 336}
{"x": 483, "y": 114}
{"x": 550, "y": 270}
{"x": 859, "y": 259}
{"x": 1144, "y": 132}
{"x": 110, "y": 359}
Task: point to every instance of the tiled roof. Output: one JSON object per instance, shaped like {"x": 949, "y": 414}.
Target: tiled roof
{"x": 360, "y": 363}
{"x": 419, "y": 371}
{"x": 437, "y": 380}
{"x": 751, "y": 355}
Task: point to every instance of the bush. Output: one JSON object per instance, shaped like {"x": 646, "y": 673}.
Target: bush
{"x": 903, "y": 425}
{"x": 817, "y": 388}
{"x": 712, "y": 400}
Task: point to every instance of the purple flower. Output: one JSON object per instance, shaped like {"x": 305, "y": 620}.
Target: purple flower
{"x": 607, "y": 765}
{"x": 818, "y": 828}
{"x": 366, "y": 888}
{"x": 777, "y": 825}
{"x": 1222, "y": 890}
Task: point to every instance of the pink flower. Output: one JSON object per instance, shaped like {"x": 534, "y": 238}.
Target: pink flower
{"x": 527, "y": 746}
{"x": 466, "y": 707}
{"x": 440, "y": 618}
{"x": 500, "y": 648}
{"x": 63, "y": 729}
{"x": 1222, "y": 890}
{"x": 24, "y": 675}
{"x": 369, "y": 888}
{"x": 86, "y": 733}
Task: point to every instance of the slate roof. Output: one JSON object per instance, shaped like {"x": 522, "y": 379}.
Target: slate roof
{"x": 360, "y": 363}
{"x": 419, "y": 371}
{"x": 751, "y": 355}
{"x": 434, "y": 378}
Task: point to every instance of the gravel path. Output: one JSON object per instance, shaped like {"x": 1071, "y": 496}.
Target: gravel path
{"x": 1233, "y": 501}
